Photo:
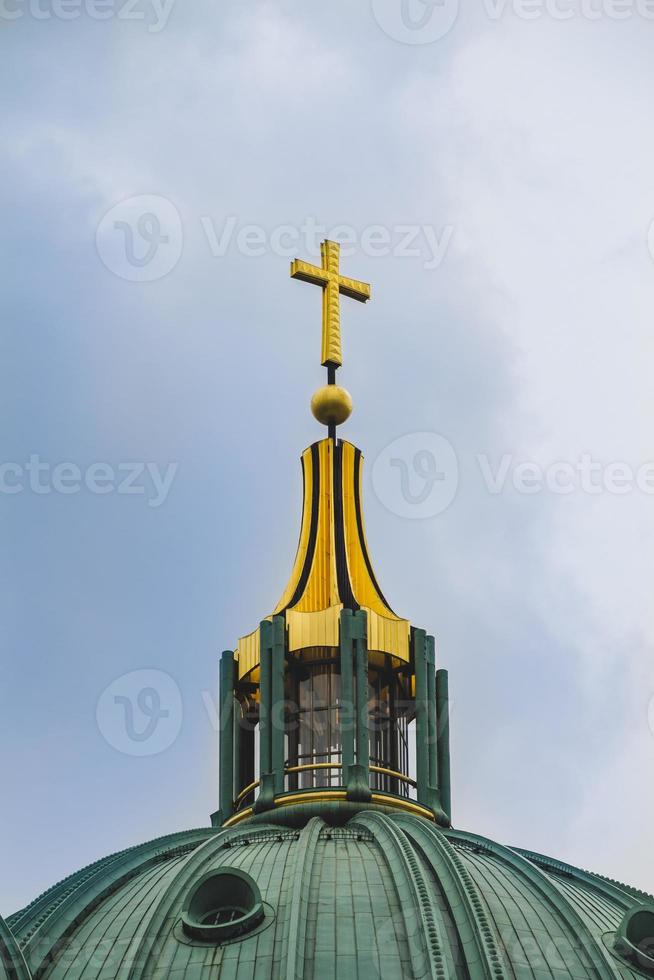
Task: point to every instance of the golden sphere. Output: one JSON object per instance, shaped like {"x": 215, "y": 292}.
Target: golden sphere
{"x": 331, "y": 405}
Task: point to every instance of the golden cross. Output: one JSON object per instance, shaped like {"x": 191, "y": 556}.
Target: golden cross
{"x": 333, "y": 285}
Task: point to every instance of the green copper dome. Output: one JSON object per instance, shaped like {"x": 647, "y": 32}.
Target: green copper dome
{"x": 381, "y": 896}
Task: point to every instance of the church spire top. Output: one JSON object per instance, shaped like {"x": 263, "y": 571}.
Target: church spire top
{"x": 319, "y": 699}
{"x": 331, "y": 404}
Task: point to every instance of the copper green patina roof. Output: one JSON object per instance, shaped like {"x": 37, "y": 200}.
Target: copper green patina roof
{"x": 381, "y": 896}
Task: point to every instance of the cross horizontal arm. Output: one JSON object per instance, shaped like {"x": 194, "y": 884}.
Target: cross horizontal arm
{"x": 309, "y": 273}
{"x": 354, "y": 289}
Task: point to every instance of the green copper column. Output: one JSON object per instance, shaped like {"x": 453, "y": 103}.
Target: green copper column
{"x": 265, "y": 698}
{"x": 347, "y": 692}
{"x": 226, "y": 751}
{"x": 443, "y": 721}
{"x": 358, "y": 775}
{"x": 238, "y": 748}
{"x": 266, "y": 795}
{"x": 361, "y": 667}
{"x": 430, "y": 662}
{"x": 277, "y": 659}
{"x": 422, "y": 716}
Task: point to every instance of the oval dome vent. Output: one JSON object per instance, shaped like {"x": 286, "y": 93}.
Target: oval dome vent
{"x": 635, "y": 937}
{"x": 224, "y": 904}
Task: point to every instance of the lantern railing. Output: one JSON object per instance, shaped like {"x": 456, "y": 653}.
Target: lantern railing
{"x": 401, "y": 777}
{"x": 339, "y": 722}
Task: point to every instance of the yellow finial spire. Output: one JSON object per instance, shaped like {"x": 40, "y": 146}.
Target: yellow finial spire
{"x": 332, "y": 569}
{"x": 333, "y": 286}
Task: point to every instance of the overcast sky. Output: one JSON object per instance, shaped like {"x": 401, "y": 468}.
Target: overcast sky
{"x": 491, "y": 174}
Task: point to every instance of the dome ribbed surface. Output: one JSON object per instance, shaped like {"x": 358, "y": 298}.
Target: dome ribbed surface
{"x": 380, "y": 896}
